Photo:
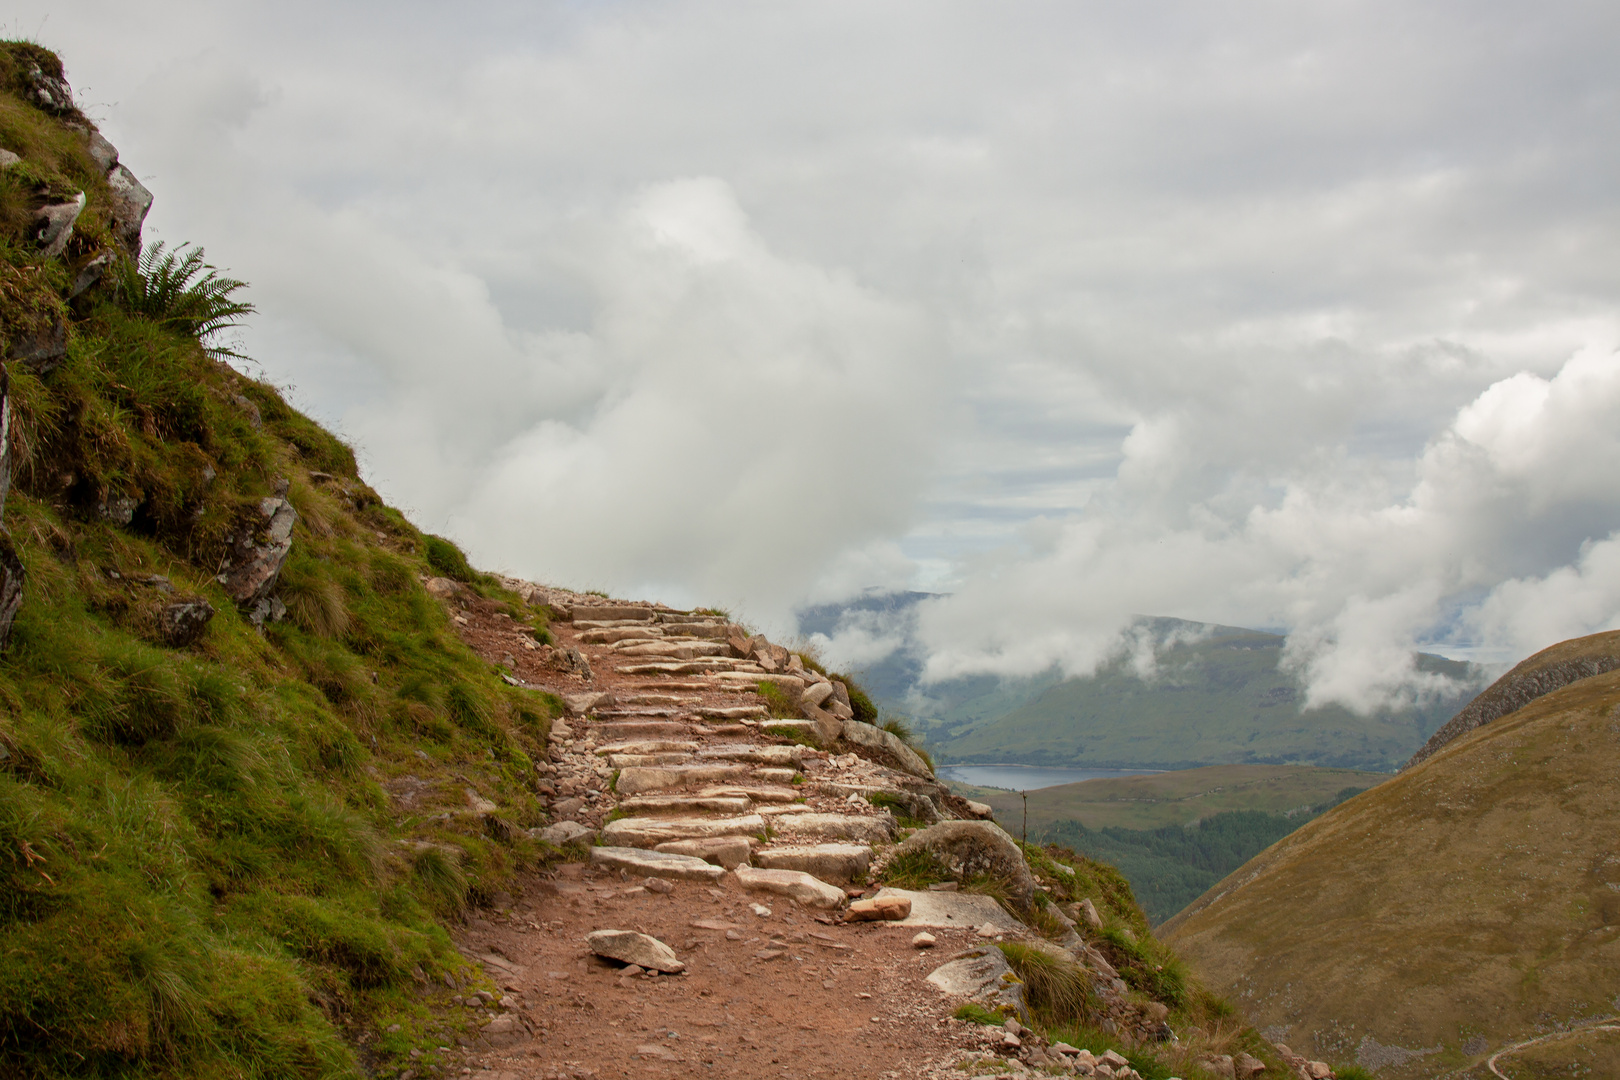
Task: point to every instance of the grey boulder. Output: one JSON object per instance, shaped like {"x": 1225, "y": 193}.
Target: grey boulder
{"x": 630, "y": 947}
{"x": 977, "y": 847}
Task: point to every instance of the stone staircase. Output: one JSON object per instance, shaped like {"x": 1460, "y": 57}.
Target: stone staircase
{"x": 689, "y": 775}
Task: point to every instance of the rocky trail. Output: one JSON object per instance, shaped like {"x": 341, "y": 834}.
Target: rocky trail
{"x": 722, "y": 875}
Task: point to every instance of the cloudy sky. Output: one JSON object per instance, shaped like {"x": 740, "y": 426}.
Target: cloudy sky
{"x": 1273, "y": 314}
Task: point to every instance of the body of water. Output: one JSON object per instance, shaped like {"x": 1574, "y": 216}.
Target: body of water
{"x": 1029, "y": 777}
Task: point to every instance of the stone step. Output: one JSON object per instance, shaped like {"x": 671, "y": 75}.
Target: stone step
{"x": 648, "y": 832}
{"x": 775, "y": 776}
{"x": 841, "y": 863}
{"x": 683, "y": 667}
{"x": 635, "y": 781}
{"x": 683, "y": 700}
{"x": 795, "y": 884}
{"x": 727, "y": 851}
{"x": 641, "y": 729}
{"x": 733, "y": 712}
{"x": 607, "y": 624}
{"x": 868, "y": 828}
{"x": 693, "y": 685}
{"x": 686, "y": 804}
{"x": 637, "y": 761}
{"x": 613, "y": 613}
{"x": 780, "y": 809}
{"x": 608, "y": 637}
{"x": 671, "y": 616}
{"x": 640, "y": 862}
{"x": 753, "y": 792}
{"x": 673, "y": 650}
{"x": 648, "y": 746}
{"x": 640, "y": 710}
{"x": 756, "y": 755}
{"x": 713, "y": 630}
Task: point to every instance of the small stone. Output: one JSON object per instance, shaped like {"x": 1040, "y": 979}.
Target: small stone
{"x": 1246, "y": 1066}
{"x": 631, "y": 970}
{"x": 1088, "y": 911}
{"x": 658, "y": 885}
{"x": 633, "y": 948}
{"x": 564, "y": 832}
{"x": 761, "y": 910}
{"x": 1113, "y": 1059}
{"x": 1319, "y": 1070}
{"x": 924, "y": 940}
{"x": 880, "y": 909}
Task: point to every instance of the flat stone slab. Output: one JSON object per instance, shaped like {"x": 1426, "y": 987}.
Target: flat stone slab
{"x": 732, "y": 712}
{"x": 583, "y": 613}
{"x": 655, "y": 864}
{"x": 641, "y": 729}
{"x": 647, "y": 746}
{"x": 642, "y": 761}
{"x": 564, "y": 832}
{"x": 758, "y": 794}
{"x": 793, "y": 884}
{"x": 829, "y": 862}
{"x": 634, "y": 781}
{"x": 645, "y": 832}
{"x": 755, "y": 754}
{"x": 685, "y": 804}
{"x": 727, "y": 851}
{"x": 982, "y": 975}
{"x": 872, "y": 829}
{"x": 965, "y": 911}
{"x": 633, "y": 948}
{"x": 772, "y": 775}
{"x": 684, "y": 667}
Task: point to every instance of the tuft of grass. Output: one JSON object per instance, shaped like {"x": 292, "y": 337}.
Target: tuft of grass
{"x": 975, "y": 1013}
{"x": 778, "y": 702}
{"x": 448, "y": 559}
{"x": 1056, "y": 988}
{"x": 916, "y": 870}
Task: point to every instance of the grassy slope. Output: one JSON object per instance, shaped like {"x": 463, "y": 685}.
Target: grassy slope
{"x": 1179, "y": 797}
{"x": 203, "y": 874}
{"x": 1217, "y": 701}
{"x": 1477, "y": 894}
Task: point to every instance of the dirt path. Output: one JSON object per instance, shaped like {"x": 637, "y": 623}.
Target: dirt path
{"x": 791, "y": 993}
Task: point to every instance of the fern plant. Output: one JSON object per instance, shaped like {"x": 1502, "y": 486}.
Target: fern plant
{"x": 178, "y": 289}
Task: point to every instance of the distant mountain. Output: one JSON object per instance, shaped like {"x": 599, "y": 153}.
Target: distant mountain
{"x": 1457, "y": 911}
{"x": 1217, "y": 698}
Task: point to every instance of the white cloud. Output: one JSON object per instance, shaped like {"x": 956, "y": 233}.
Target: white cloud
{"x": 1080, "y": 312}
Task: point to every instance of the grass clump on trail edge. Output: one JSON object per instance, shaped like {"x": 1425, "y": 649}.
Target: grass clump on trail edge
{"x": 227, "y": 858}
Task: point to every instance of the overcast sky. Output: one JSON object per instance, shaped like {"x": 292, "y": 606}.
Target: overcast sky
{"x": 1272, "y": 314}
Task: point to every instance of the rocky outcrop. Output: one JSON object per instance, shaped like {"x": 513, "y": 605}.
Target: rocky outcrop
{"x": 977, "y": 847}
{"x": 1541, "y": 674}
{"x": 11, "y": 567}
{"x": 257, "y": 552}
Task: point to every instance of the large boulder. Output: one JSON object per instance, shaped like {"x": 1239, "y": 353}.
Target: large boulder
{"x": 977, "y": 847}
{"x": 886, "y": 742}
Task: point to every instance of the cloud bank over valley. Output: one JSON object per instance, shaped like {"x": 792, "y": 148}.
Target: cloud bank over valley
{"x": 1302, "y": 318}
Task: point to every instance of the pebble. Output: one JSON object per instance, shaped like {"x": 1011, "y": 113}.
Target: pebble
{"x": 761, "y": 910}
{"x": 923, "y": 940}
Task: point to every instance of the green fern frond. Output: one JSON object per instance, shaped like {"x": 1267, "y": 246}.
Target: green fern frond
{"x": 178, "y": 289}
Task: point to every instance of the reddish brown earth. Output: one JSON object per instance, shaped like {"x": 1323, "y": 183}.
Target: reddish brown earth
{"x": 732, "y": 1013}
{"x": 828, "y": 999}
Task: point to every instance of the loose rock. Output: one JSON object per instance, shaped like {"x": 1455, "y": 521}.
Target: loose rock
{"x": 633, "y": 948}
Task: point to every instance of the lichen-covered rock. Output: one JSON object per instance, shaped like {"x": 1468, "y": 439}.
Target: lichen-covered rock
{"x": 130, "y": 203}
{"x": 257, "y": 554}
{"x": 977, "y": 847}
{"x": 184, "y": 622}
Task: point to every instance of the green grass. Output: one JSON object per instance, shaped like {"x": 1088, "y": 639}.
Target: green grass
{"x": 977, "y": 1014}
{"x": 205, "y": 873}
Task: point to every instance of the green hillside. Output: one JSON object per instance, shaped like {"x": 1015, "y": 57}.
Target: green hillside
{"x": 239, "y": 741}
{"x": 1218, "y": 700}
{"x": 1465, "y": 906}
{"x": 1174, "y": 834}
{"x": 1180, "y": 797}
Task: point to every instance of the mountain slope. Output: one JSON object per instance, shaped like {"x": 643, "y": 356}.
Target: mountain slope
{"x": 247, "y": 768}
{"x": 1219, "y": 698}
{"x": 1467, "y": 904}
